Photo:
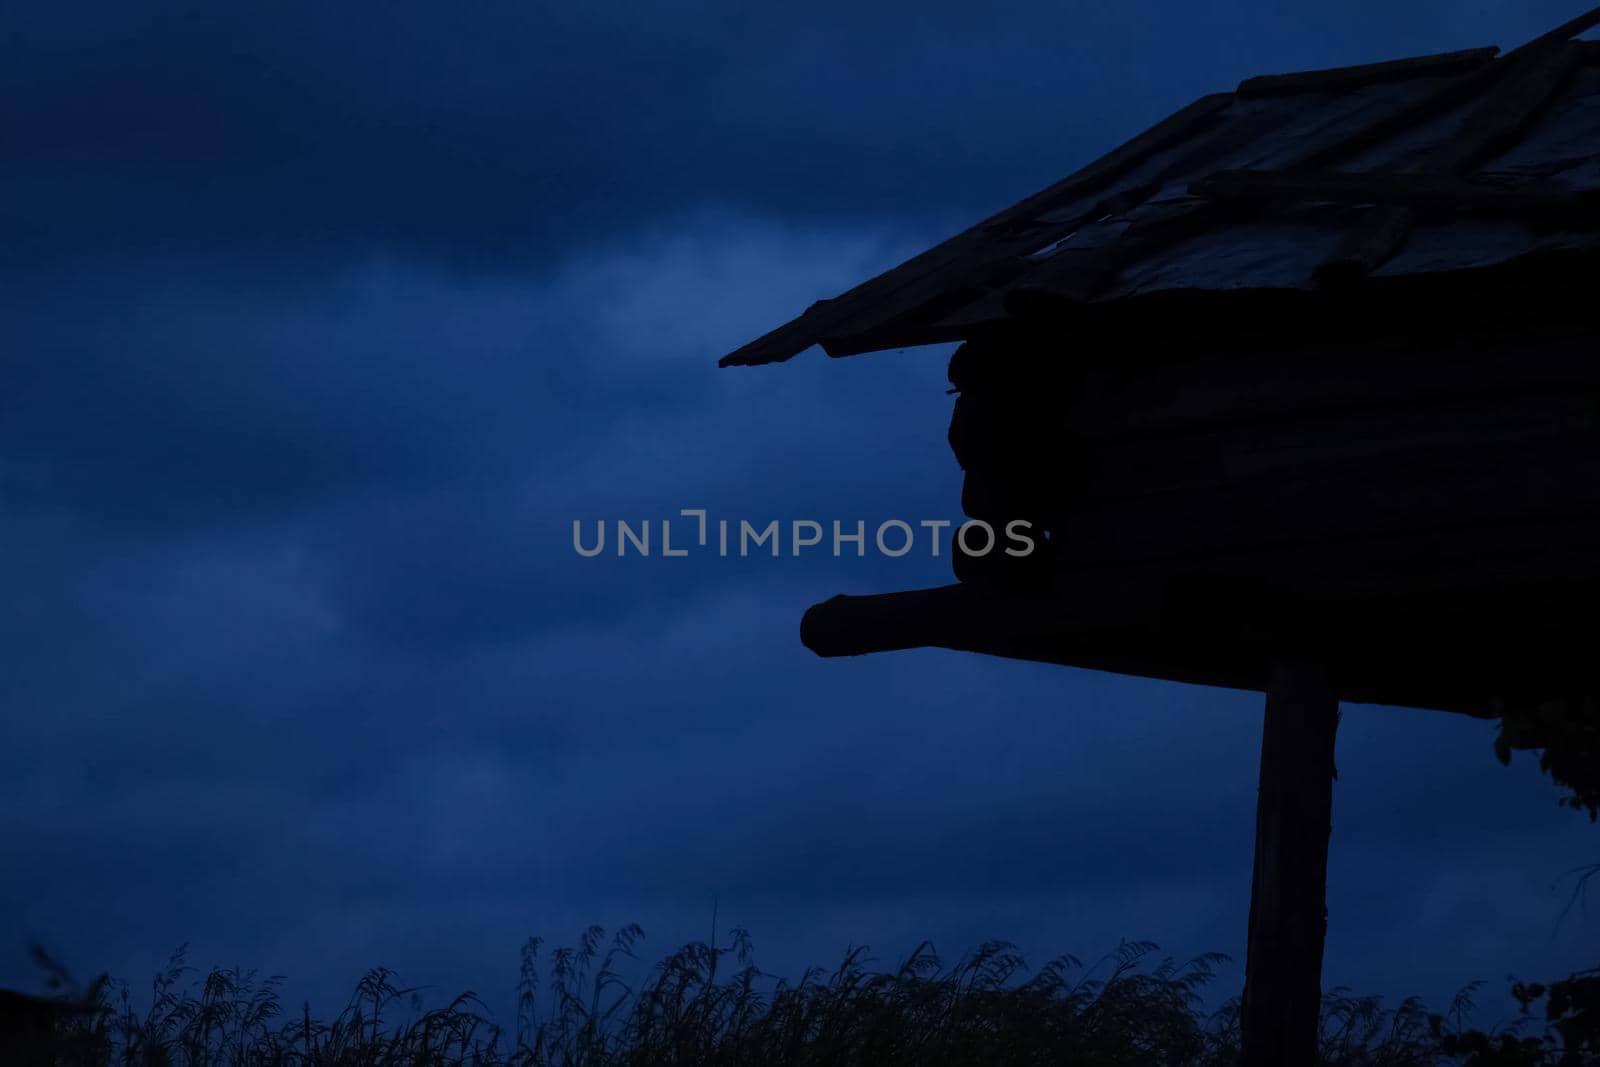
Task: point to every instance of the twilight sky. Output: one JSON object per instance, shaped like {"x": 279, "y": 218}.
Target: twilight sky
{"x": 321, "y": 323}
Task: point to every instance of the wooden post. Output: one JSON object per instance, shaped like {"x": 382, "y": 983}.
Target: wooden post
{"x": 1288, "y": 891}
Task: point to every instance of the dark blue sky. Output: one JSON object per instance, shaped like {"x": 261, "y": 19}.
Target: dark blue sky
{"x": 321, "y": 323}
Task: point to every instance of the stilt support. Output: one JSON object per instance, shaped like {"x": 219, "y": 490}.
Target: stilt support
{"x": 1288, "y": 892}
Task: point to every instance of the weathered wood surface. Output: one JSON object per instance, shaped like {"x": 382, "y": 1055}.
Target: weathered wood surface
{"x": 1531, "y": 81}
{"x": 1527, "y": 81}
{"x": 1288, "y": 888}
{"x": 1452, "y": 94}
{"x": 1520, "y": 89}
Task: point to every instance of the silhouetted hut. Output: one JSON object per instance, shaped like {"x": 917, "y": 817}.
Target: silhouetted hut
{"x": 1302, "y": 384}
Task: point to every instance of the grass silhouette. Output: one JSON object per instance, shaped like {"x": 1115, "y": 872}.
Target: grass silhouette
{"x": 706, "y": 1005}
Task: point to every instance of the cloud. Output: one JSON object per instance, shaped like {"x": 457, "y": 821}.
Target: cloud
{"x": 501, "y": 137}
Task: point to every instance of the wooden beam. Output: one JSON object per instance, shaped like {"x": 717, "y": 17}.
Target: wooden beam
{"x": 1213, "y": 637}
{"x": 960, "y": 617}
{"x": 1453, "y": 649}
{"x": 1288, "y": 889}
{"x": 1337, "y": 79}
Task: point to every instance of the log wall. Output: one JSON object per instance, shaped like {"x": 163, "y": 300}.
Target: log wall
{"x": 1392, "y": 471}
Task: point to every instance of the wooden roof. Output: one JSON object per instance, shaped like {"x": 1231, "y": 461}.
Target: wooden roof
{"x": 1320, "y": 180}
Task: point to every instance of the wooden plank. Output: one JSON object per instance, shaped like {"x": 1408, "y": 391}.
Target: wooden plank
{"x": 1348, "y": 115}
{"x": 1447, "y": 96}
{"x": 1367, "y": 246}
{"x": 927, "y": 305}
{"x": 1289, "y": 882}
{"x": 1337, "y": 79}
{"x": 784, "y": 342}
{"x": 1532, "y": 77}
{"x": 984, "y": 313}
{"x": 951, "y": 263}
{"x": 1532, "y": 80}
{"x": 1441, "y": 193}
{"x": 1248, "y": 127}
{"x": 1452, "y": 94}
{"x": 1375, "y": 240}
{"x": 1517, "y": 100}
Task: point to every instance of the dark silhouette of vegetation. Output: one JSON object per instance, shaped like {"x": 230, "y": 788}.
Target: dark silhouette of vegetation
{"x": 1566, "y": 734}
{"x": 712, "y": 1006}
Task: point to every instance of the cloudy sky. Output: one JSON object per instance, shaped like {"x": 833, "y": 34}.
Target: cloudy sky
{"x": 320, "y": 324}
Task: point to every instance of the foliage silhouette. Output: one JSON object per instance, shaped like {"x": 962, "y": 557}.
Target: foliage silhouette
{"x": 1566, "y": 732}
{"x": 1127, "y": 1008}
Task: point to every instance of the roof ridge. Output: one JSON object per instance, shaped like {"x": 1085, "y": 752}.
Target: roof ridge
{"x": 1333, "y": 79}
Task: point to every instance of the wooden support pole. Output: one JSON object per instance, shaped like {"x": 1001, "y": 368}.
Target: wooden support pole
{"x": 1288, "y": 892}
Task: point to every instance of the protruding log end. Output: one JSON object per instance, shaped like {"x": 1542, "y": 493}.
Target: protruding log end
{"x": 816, "y": 631}
{"x": 860, "y": 625}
